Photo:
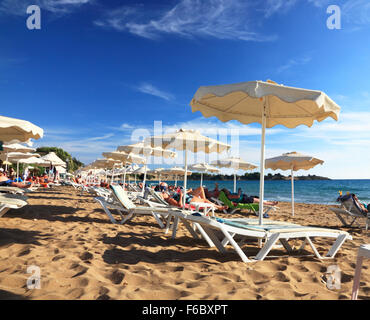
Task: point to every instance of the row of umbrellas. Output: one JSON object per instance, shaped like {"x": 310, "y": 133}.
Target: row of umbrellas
{"x": 261, "y": 102}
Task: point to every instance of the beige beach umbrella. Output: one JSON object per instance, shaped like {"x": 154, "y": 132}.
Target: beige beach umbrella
{"x": 15, "y": 157}
{"x": 175, "y": 172}
{"x": 146, "y": 150}
{"x": 15, "y": 147}
{"x": 203, "y": 168}
{"x": 292, "y": 161}
{"x": 266, "y": 103}
{"x": 53, "y": 159}
{"x": 125, "y": 158}
{"x": 15, "y": 130}
{"x": 105, "y": 164}
{"x": 187, "y": 140}
{"x": 236, "y": 164}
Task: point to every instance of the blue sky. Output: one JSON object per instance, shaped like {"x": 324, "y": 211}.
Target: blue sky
{"x": 99, "y": 73}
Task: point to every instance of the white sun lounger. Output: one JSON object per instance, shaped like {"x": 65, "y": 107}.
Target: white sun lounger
{"x": 349, "y": 210}
{"x": 272, "y": 232}
{"x": 128, "y": 210}
{"x": 9, "y": 201}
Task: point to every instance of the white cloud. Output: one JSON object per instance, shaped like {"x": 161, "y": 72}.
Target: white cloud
{"x": 152, "y": 90}
{"x": 294, "y": 62}
{"x": 221, "y": 19}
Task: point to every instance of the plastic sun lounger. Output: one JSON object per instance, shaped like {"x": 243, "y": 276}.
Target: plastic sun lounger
{"x": 13, "y": 190}
{"x": 349, "y": 209}
{"x": 128, "y": 210}
{"x": 272, "y": 232}
{"x": 251, "y": 207}
{"x": 8, "y": 201}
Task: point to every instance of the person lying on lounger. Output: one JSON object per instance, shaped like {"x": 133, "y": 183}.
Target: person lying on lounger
{"x": 212, "y": 194}
{"x": 196, "y": 195}
{"x": 5, "y": 181}
{"x": 240, "y": 197}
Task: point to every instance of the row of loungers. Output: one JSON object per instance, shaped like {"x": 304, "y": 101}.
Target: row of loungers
{"x": 220, "y": 233}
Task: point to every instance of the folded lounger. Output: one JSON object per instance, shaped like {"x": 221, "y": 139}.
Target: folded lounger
{"x": 349, "y": 209}
{"x": 272, "y": 232}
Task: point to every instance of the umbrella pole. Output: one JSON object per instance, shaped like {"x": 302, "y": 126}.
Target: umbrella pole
{"x": 201, "y": 179}
{"x": 292, "y": 177}
{"x": 235, "y": 182}
{"x": 6, "y": 165}
{"x": 186, "y": 176}
{"x": 144, "y": 181}
{"x": 262, "y": 164}
{"x": 124, "y": 178}
{"x": 17, "y": 169}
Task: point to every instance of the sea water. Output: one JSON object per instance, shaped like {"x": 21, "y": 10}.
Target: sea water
{"x": 305, "y": 191}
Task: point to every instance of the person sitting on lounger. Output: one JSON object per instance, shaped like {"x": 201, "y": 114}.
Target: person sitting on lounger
{"x": 5, "y": 181}
{"x": 196, "y": 195}
{"x": 243, "y": 198}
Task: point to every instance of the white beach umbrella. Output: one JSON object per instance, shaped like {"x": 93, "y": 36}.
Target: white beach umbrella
{"x": 53, "y": 159}
{"x": 15, "y": 147}
{"x": 236, "y": 164}
{"x": 125, "y": 158}
{"x": 203, "y": 168}
{"x": 105, "y": 164}
{"x": 18, "y": 156}
{"x": 187, "y": 140}
{"x": 266, "y": 103}
{"x": 15, "y": 130}
{"x": 146, "y": 150}
{"x": 175, "y": 172}
{"x": 292, "y": 161}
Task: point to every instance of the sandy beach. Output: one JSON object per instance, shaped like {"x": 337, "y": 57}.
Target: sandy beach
{"x": 82, "y": 255}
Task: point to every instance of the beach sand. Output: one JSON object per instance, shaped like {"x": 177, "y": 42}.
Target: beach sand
{"x": 82, "y": 255}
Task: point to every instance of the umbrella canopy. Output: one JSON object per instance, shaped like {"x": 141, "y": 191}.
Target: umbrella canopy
{"x": 104, "y": 163}
{"x": 125, "y": 158}
{"x": 203, "y": 168}
{"x": 175, "y": 172}
{"x": 293, "y": 161}
{"x": 35, "y": 161}
{"x": 16, "y": 130}
{"x": 53, "y": 159}
{"x": 17, "y": 147}
{"x": 266, "y": 103}
{"x": 146, "y": 150}
{"x": 15, "y": 156}
{"x": 236, "y": 164}
{"x": 141, "y": 170}
{"x": 187, "y": 140}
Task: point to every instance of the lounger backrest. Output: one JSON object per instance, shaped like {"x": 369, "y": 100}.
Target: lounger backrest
{"x": 122, "y": 197}
{"x": 157, "y": 197}
{"x": 351, "y": 205}
{"x": 222, "y": 196}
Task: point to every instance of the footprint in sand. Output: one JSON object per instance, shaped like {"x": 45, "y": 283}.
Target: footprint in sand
{"x": 116, "y": 277}
{"x": 86, "y": 256}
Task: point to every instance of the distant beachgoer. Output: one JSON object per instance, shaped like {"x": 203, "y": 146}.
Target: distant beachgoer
{"x": 5, "y": 181}
{"x": 243, "y": 198}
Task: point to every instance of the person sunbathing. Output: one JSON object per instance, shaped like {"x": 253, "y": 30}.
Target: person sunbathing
{"x": 6, "y": 182}
{"x": 240, "y": 197}
{"x": 212, "y": 194}
{"x": 192, "y": 196}
{"x": 363, "y": 207}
